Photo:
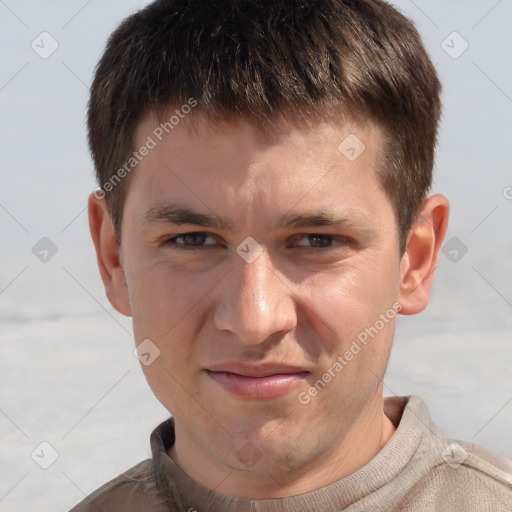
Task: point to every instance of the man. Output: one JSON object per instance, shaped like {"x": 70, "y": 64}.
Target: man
{"x": 264, "y": 215}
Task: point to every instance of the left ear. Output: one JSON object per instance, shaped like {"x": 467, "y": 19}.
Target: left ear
{"x": 421, "y": 254}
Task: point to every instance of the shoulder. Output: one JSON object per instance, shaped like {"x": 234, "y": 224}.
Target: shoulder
{"x": 466, "y": 477}
{"x": 134, "y": 490}
{"x": 457, "y": 475}
{"x": 482, "y": 464}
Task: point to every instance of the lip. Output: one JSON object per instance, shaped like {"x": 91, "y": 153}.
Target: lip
{"x": 257, "y": 382}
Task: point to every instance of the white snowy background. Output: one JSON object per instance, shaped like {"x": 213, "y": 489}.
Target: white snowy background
{"x": 67, "y": 373}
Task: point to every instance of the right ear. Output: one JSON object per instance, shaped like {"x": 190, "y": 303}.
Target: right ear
{"x": 108, "y": 254}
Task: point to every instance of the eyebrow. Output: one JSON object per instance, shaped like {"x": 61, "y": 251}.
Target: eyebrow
{"x": 310, "y": 220}
{"x": 178, "y": 215}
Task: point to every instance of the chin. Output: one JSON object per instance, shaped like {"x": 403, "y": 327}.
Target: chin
{"x": 261, "y": 454}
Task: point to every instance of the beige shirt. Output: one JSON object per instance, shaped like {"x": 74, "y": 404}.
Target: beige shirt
{"x": 418, "y": 470}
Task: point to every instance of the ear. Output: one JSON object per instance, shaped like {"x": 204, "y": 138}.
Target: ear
{"x": 108, "y": 255}
{"x": 419, "y": 261}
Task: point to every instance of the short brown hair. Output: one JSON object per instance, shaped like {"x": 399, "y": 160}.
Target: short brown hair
{"x": 256, "y": 58}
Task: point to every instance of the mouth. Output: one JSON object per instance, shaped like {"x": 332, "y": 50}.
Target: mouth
{"x": 262, "y": 382}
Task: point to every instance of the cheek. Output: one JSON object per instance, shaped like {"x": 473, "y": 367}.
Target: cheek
{"x": 165, "y": 311}
{"x": 161, "y": 296}
{"x": 354, "y": 357}
{"x": 348, "y": 300}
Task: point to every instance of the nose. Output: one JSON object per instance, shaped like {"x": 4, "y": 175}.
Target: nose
{"x": 255, "y": 302}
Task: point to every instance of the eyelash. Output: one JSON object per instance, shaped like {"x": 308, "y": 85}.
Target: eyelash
{"x": 171, "y": 241}
{"x": 181, "y": 246}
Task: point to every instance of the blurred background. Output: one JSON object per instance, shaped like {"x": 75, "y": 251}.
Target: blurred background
{"x": 75, "y": 409}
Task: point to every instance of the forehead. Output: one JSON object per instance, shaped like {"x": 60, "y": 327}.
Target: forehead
{"x": 329, "y": 165}
{"x": 173, "y": 125}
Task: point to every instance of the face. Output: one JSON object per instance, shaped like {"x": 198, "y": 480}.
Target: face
{"x": 266, "y": 271}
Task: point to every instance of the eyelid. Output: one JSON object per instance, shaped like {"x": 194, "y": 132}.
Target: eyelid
{"x": 170, "y": 240}
{"x": 334, "y": 238}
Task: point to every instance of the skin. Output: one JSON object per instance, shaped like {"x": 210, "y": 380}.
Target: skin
{"x": 302, "y": 301}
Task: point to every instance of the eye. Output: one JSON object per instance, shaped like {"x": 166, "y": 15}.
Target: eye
{"x": 190, "y": 240}
{"x": 319, "y": 241}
